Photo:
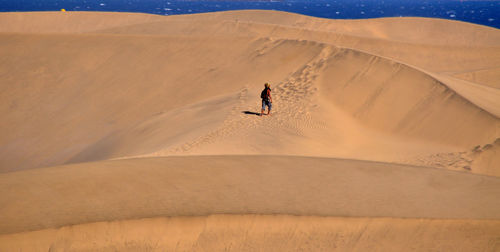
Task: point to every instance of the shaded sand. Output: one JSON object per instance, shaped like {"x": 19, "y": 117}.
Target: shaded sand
{"x": 263, "y": 233}
{"x": 111, "y": 118}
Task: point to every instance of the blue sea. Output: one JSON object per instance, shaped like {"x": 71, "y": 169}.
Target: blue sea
{"x": 486, "y": 12}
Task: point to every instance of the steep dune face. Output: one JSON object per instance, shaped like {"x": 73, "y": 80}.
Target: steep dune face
{"x": 396, "y": 98}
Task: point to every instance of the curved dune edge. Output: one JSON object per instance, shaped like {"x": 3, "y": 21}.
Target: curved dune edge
{"x": 204, "y": 185}
{"x": 263, "y": 232}
{"x": 488, "y": 77}
{"x": 151, "y": 128}
{"x": 483, "y": 97}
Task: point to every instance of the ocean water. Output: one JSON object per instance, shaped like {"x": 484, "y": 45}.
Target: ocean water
{"x": 485, "y": 12}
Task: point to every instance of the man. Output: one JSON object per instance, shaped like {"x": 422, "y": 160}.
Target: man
{"x": 267, "y": 100}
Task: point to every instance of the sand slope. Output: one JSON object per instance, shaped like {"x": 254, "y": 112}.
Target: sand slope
{"x": 187, "y": 186}
{"x": 316, "y": 85}
{"x": 110, "y": 118}
{"x": 264, "y": 233}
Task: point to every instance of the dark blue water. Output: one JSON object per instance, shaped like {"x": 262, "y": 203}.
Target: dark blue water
{"x": 479, "y": 12}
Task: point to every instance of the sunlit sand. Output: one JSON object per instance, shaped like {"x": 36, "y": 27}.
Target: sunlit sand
{"x": 125, "y": 131}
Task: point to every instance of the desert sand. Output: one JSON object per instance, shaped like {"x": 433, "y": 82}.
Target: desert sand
{"x": 124, "y": 131}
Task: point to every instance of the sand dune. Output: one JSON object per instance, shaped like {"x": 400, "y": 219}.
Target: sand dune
{"x": 110, "y": 118}
{"x": 160, "y": 111}
{"x": 191, "y": 186}
{"x": 75, "y": 22}
{"x": 427, "y": 30}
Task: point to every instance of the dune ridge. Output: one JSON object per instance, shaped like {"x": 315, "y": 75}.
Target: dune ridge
{"x": 119, "y": 128}
{"x": 429, "y": 29}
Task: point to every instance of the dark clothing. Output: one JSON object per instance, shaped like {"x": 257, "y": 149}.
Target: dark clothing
{"x": 266, "y": 103}
{"x": 266, "y": 94}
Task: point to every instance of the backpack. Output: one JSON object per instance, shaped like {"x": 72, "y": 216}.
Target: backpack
{"x": 263, "y": 95}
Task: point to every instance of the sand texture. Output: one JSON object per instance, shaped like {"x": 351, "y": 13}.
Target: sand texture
{"x": 124, "y": 131}
{"x": 264, "y": 233}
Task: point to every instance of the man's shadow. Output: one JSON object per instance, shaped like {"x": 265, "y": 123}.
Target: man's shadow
{"x": 250, "y": 113}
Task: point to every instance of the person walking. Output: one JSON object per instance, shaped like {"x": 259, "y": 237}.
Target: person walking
{"x": 267, "y": 100}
